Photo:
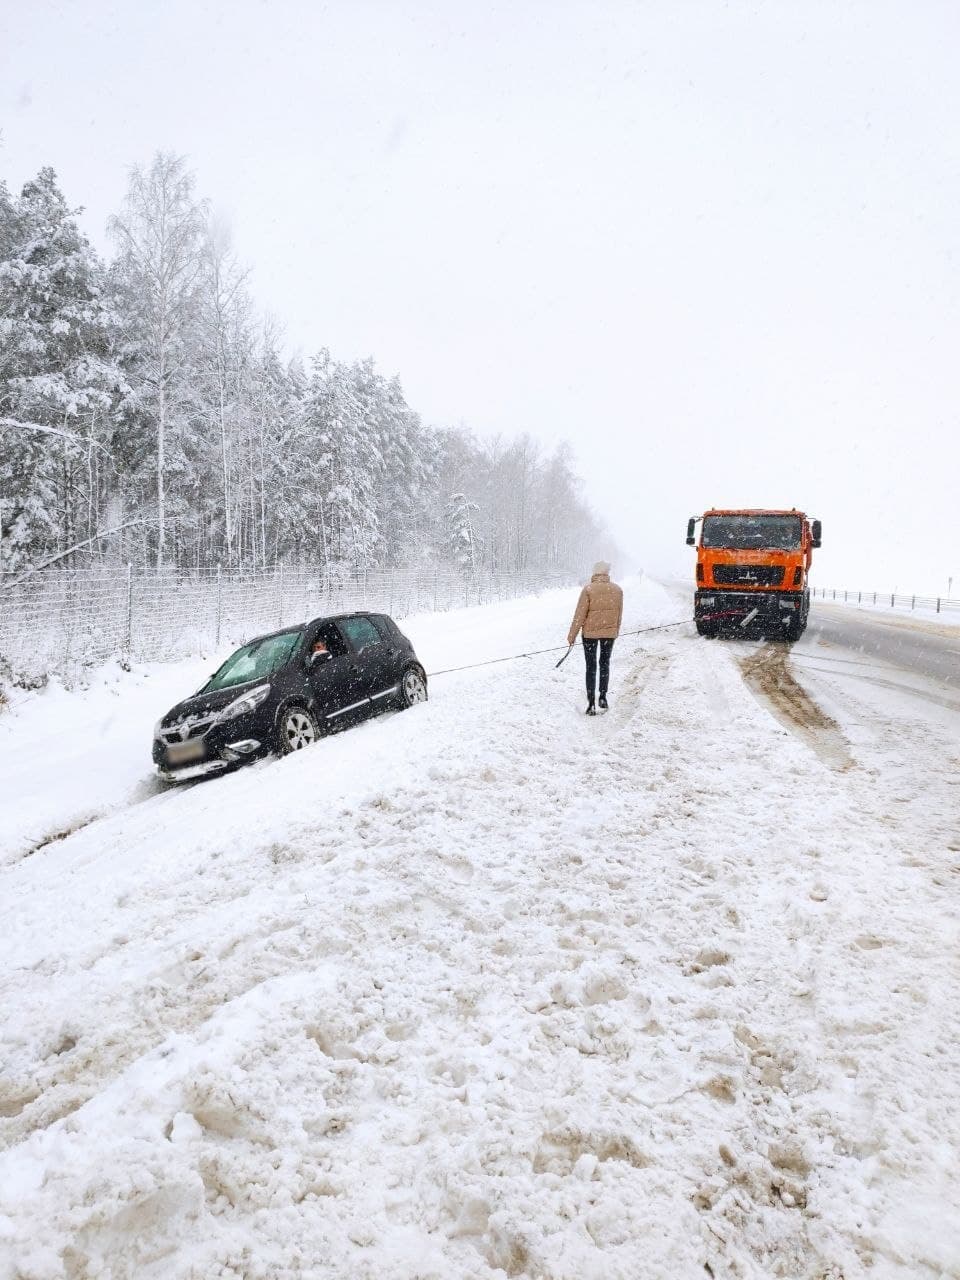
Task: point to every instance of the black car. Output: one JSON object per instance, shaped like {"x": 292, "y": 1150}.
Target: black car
{"x": 282, "y": 691}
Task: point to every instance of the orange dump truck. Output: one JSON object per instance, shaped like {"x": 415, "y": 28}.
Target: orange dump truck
{"x": 752, "y": 569}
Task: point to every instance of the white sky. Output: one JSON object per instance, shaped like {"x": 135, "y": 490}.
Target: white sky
{"x": 714, "y": 246}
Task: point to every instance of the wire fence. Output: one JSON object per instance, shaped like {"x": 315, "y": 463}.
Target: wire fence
{"x": 888, "y": 599}
{"x": 64, "y": 622}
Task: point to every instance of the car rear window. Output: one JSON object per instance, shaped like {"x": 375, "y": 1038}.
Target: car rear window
{"x": 255, "y": 661}
{"x": 385, "y": 626}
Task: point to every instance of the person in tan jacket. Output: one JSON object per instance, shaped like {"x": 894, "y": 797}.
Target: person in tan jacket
{"x": 598, "y": 615}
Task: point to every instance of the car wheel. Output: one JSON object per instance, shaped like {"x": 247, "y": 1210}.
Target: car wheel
{"x": 297, "y": 729}
{"x": 413, "y": 687}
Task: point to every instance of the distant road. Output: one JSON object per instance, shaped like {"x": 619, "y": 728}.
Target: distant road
{"x": 928, "y": 649}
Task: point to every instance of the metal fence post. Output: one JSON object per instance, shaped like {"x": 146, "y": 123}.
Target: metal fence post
{"x": 891, "y": 601}
{"x": 913, "y": 602}
{"x": 219, "y": 607}
{"x": 938, "y": 604}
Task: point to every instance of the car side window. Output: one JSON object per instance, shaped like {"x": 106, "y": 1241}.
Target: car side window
{"x": 331, "y": 637}
{"x": 361, "y": 633}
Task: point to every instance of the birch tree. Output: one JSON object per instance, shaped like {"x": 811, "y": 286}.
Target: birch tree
{"x": 225, "y": 344}
{"x": 160, "y": 241}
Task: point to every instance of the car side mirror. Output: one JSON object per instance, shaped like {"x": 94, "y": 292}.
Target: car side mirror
{"x": 320, "y": 656}
{"x": 691, "y": 526}
{"x": 816, "y": 529}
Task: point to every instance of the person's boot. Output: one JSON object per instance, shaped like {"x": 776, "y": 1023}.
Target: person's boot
{"x": 603, "y": 702}
{"x": 591, "y": 709}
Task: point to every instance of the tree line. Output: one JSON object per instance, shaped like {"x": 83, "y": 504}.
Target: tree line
{"x": 147, "y": 414}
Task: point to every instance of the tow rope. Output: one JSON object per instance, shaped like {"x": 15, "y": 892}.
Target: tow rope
{"x": 536, "y": 653}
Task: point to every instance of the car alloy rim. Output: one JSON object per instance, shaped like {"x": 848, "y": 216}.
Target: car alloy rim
{"x": 299, "y": 730}
{"x": 414, "y": 688}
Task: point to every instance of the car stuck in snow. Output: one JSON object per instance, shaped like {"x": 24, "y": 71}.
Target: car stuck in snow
{"x": 282, "y": 691}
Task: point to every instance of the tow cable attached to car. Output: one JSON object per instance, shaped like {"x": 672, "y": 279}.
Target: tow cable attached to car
{"x": 535, "y": 653}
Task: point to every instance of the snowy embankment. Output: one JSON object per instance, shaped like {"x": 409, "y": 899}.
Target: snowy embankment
{"x": 488, "y": 988}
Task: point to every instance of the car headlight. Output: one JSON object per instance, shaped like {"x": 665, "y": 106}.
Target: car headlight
{"x": 246, "y": 702}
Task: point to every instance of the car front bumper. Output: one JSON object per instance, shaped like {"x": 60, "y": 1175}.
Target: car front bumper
{"x": 223, "y": 745}
{"x": 190, "y": 772}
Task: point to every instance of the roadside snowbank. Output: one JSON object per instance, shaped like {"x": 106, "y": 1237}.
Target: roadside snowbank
{"x": 68, "y": 757}
{"x": 488, "y": 989}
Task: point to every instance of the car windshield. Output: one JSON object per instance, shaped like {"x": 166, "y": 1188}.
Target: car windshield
{"x": 254, "y": 661}
{"x": 778, "y": 533}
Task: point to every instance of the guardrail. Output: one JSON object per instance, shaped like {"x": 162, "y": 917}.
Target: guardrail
{"x": 886, "y": 599}
{"x": 63, "y": 622}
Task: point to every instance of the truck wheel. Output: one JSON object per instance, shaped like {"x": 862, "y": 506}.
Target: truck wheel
{"x": 794, "y": 629}
{"x": 707, "y": 629}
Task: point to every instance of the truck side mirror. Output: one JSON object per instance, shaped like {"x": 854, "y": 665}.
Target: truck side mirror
{"x": 691, "y": 525}
{"x": 816, "y": 530}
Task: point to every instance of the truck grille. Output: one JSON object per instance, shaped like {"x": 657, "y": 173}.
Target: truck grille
{"x": 760, "y": 575}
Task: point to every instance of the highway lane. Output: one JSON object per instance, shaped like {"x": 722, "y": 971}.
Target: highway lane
{"x": 923, "y": 648}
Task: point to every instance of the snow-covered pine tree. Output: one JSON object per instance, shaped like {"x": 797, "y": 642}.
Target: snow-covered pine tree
{"x": 58, "y": 377}
{"x": 341, "y": 464}
{"x": 463, "y": 543}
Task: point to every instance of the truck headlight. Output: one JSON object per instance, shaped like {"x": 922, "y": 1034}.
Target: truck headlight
{"x": 245, "y": 703}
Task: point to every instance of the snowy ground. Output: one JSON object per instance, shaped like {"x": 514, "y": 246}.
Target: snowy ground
{"x": 487, "y": 988}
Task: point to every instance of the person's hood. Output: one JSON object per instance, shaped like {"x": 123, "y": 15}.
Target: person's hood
{"x": 600, "y": 577}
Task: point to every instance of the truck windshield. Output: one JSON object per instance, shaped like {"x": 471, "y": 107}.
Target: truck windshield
{"x": 777, "y": 533}
{"x": 254, "y": 661}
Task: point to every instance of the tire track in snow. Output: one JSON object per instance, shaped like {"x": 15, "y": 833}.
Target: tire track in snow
{"x": 767, "y": 674}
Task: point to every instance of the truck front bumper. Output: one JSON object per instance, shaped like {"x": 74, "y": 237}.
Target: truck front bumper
{"x": 729, "y": 608}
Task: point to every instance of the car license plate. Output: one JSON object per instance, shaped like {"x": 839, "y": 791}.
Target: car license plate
{"x": 184, "y": 752}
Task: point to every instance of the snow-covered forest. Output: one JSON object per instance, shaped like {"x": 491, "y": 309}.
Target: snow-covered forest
{"x": 148, "y": 414}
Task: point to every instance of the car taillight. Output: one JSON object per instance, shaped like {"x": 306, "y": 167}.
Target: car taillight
{"x": 699, "y": 572}
{"x": 797, "y": 576}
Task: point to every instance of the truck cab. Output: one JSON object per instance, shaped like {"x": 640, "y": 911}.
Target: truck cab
{"x": 752, "y": 571}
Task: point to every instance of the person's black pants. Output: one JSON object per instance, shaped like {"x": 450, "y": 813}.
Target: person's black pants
{"x": 590, "y": 653}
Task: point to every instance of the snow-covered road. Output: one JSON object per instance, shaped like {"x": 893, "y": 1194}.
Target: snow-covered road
{"x": 928, "y": 647}
{"x": 488, "y": 988}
